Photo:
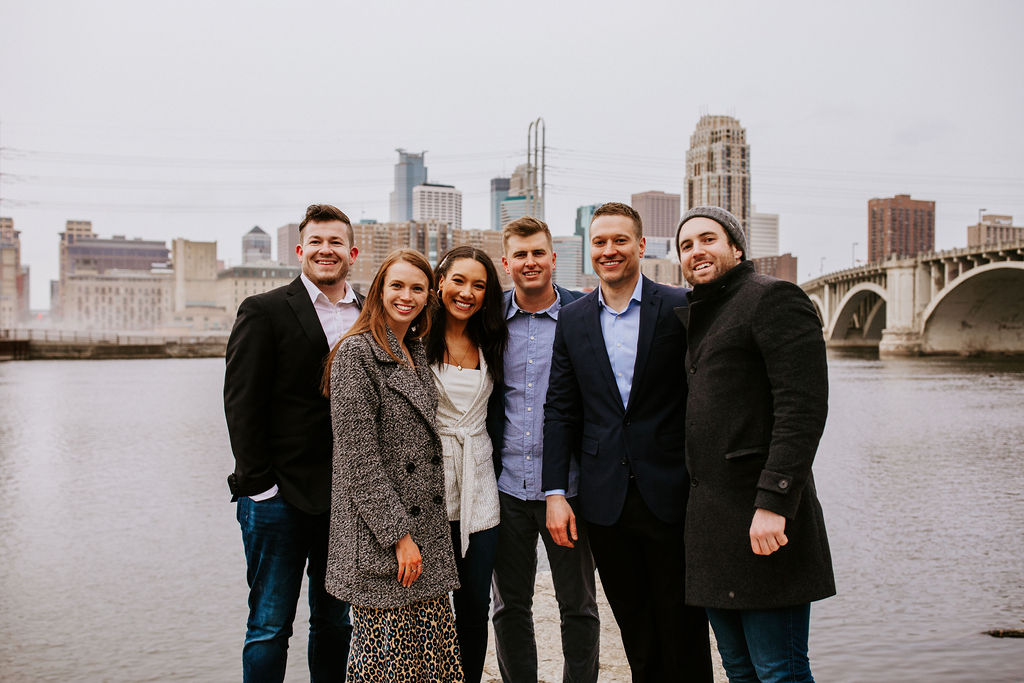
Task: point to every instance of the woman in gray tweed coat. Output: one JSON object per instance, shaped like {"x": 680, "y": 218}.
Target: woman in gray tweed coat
{"x": 390, "y": 552}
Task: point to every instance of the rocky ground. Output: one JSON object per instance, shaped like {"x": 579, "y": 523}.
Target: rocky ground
{"x": 549, "y": 648}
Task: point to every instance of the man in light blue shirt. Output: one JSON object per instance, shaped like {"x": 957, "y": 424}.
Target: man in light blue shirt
{"x": 516, "y": 424}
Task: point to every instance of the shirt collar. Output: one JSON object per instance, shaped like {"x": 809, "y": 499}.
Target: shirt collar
{"x": 315, "y": 292}
{"x": 635, "y": 296}
{"x": 551, "y": 311}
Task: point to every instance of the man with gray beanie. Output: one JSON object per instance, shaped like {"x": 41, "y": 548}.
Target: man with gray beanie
{"x": 756, "y": 550}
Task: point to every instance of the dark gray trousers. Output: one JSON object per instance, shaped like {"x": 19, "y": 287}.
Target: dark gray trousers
{"x": 515, "y": 571}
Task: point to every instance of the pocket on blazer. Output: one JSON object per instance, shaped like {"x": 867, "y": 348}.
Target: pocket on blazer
{"x": 371, "y": 558}
{"x": 747, "y": 453}
{"x": 589, "y": 446}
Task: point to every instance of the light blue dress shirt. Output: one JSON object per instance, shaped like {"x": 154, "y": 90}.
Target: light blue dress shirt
{"x": 527, "y": 367}
{"x": 621, "y": 332}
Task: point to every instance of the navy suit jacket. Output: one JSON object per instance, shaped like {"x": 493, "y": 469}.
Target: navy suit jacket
{"x": 584, "y": 416}
{"x": 496, "y": 405}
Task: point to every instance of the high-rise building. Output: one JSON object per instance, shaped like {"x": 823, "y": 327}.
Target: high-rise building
{"x": 432, "y": 201}
{"x": 659, "y": 213}
{"x": 523, "y": 183}
{"x": 491, "y": 243}
{"x": 195, "y": 274}
{"x": 782, "y": 266}
{"x": 409, "y": 172}
{"x": 287, "y": 239}
{"x": 718, "y": 167}
{"x": 13, "y": 276}
{"x": 499, "y": 192}
{"x": 992, "y": 229}
{"x": 256, "y": 246}
{"x": 513, "y": 207}
{"x": 569, "y": 260}
{"x": 584, "y": 217}
{"x": 763, "y": 238}
{"x": 900, "y": 226}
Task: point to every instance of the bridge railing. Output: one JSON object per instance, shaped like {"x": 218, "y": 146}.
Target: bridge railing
{"x": 115, "y": 338}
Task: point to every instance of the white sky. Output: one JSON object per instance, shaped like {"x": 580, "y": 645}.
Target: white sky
{"x": 202, "y": 119}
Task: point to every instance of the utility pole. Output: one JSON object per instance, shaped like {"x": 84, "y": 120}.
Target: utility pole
{"x": 536, "y": 149}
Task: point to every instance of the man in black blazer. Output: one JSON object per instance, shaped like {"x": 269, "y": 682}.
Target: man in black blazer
{"x": 615, "y": 401}
{"x": 280, "y": 429}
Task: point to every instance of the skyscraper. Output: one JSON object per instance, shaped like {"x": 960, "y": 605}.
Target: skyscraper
{"x": 659, "y": 213}
{"x": 900, "y": 226}
{"x": 718, "y": 167}
{"x": 13, "y": 280}
{"x": 499, "y": 192}
{"x": 409, "y": 172}
{"x": 569, "y": 262}
{"x": 255, "y": 246}
{"x": 584, "y": 216}
{"x": 763, "y": 237}
{"x": 287, "y": 239}
{"x": 431, "y": 201}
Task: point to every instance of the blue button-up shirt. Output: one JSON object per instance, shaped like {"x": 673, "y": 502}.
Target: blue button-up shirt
{"x": 621, "y": 332}
{"x": 531, "y": 337}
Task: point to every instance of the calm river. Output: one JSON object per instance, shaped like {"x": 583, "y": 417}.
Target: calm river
{"x": 120, "y": 558}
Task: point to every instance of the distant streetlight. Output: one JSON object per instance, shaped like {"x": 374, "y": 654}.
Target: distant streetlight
{"x": 853, "y": 254}
{"x": 821, "y": 266}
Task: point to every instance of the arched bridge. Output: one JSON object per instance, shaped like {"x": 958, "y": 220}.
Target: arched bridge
{"x": 960, "y": 301}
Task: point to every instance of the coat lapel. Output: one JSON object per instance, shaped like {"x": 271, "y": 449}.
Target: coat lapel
{"x": 415, "y": 387}
{"x": 298, "y": 299}
{"x": 598, "y": 350}
{"x": 650, "y": 308}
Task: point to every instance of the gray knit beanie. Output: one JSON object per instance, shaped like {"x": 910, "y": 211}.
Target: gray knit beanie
{"x": 722, "y": 217}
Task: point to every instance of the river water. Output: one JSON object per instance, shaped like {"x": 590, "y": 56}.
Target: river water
{"x": 120, "y": 558}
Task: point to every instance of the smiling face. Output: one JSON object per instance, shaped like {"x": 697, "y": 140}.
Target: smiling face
{"x": 615, "y": 250}
{"x": 530, "y": 261}
{"x": 463, "y": 287}
{"x": 326, "y": 252}
{"x": 404, "y": 295}
{"x": 705, "y": 253}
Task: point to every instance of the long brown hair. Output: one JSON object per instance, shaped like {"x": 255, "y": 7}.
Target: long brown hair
{"x": 372, "y": 317}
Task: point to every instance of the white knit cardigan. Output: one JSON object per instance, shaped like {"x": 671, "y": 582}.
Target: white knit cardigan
{"x": 471, "y": 491}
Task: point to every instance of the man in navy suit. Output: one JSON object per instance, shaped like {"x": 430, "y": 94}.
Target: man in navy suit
{"x": 616, "y": 401}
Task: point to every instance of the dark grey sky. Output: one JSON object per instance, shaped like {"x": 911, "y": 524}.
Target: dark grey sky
{"x": 202, "y": 119}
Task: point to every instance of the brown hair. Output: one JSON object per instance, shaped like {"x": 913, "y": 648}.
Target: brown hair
{"x": 325, "y": 213}
{"x": 372, "y": 317}
{"x": 525, "y": 227}
{"x": 620, "y": 209}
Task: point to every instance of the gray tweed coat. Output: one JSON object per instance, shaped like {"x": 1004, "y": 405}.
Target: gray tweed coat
{"x": 755, "y": 411}
{"x": 388, "y": 477}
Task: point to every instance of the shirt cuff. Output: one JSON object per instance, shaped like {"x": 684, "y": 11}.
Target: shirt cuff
{"x": 266, "y": 495}
{"x": 554, "y": 492}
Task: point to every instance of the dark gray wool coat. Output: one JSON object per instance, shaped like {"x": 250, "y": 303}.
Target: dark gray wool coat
{"x": 388, "y": 477}
{"x": 758, "y": 397}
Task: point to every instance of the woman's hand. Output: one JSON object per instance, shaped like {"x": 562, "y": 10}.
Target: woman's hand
{"x": 410, "y": 562}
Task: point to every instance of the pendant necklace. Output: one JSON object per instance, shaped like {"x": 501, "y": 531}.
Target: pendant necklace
{"x": 458, "y": 366}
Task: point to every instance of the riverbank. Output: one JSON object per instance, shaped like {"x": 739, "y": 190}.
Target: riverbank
{"x": 614, "y": 667}
{"x": 31, "y": 344}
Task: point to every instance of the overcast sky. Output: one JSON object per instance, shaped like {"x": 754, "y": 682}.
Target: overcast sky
{"x": 203, "y": 119}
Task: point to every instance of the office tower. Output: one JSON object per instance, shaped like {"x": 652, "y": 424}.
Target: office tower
{"x": 195, "y": 274}
{"x": 491, "y": 243}
{"x": 718, "y": 167}
{"x": 13, "y": 276}
{"x": 900, "y": 226}
{"x": 569, "y": 260}
{"x": 992, "y": 229}
{"x": 255, "y": 246}
{"x": 782, "y": 266}
{"x": 523, "y": 183}
{"x": 512, "y": 208}
{"x": 499, "y": 192}
{"x": 584, "y": 216}
{"x": 432, "y": 201}
{"x": 409, "y": 172}
{"x": 659, "y": 213}
{"x": 287, "y": 240}
{"x": 763, "y": 238}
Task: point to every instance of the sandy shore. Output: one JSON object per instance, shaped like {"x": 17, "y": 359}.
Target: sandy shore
{"x": 549, "y": 646}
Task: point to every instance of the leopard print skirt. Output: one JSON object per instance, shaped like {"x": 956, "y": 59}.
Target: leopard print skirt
{"x": 411, "y": 644}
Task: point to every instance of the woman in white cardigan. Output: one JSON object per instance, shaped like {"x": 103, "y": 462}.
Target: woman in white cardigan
{"x": 465, "y": 348}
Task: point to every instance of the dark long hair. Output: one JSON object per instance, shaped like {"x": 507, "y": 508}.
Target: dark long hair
{"x": 372, "y": 317}
{"x": 486, "y": 328}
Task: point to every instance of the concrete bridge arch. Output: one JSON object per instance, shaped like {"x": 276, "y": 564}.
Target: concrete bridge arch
{"x": 982, "y": 310}
{"x": 860, "y": 317}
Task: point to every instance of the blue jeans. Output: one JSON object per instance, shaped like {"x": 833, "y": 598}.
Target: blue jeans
{"x": 472, "y": 600}
{"x": 281, "y": 541}
{"x": 764, "y": 645}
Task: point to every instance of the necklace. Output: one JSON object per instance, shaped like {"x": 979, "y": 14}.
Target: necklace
{"x": 458, "y": 366}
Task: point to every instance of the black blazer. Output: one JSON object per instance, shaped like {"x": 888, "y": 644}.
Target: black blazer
{"x": 278, "y": 420}
{"x": 496, "y": 404}
{"x": 584, "y": 415}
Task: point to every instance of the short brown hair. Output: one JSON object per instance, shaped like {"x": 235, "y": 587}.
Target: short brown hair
{"x": 325, "y": 213}
{"x": 525, "y": 227}
{"x": 620, "y": 209}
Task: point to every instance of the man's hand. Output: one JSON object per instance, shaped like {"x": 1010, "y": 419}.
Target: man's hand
{"x": 767, "y": 531}
{"x": 561, "y": 521}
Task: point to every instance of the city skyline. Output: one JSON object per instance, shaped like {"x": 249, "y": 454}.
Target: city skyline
{"x": 203, "y": 135}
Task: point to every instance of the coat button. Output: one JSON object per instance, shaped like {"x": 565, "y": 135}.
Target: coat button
{"x": 784, "y": 484}
{"x": 693, "y": 369}
{"x": 438, "y": 499}
{"x": 436, "y": 460}
{"x": 694, "y": 482}
{"x": 410, "y": 467}
{"x": 626, "y": 421}
{"x": 414, "y": 510}
{"x": 623, "y": 462}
